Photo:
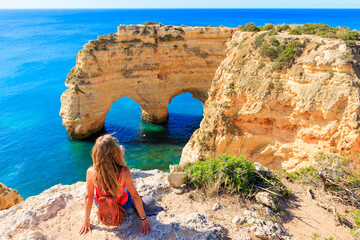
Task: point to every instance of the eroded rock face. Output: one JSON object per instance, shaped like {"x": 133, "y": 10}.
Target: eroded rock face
{"x": 8, "y": 197}
{"x": 149, "y": 64}
{"x": 281, "y": 118}
{"x": 57, "y": 214}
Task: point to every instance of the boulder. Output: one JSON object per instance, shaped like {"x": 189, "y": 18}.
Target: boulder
{"x": 176, "y": 179}
{"x": 266, "y": 199}
{"x": 8, "y": 197}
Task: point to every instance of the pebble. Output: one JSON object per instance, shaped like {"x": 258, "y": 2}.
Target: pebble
{"x": 178, "y": 190}
{"x": 217, "y": 206}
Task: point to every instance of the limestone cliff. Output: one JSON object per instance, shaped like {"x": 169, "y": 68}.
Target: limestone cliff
{"x": 8, "y": 197}
{"x": 281, "y": 110}
{"x": 149, "y": 64}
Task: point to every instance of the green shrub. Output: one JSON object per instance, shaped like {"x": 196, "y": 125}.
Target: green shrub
{"x": 282, "y": 27}
{"x": 259, "y": 40}
{"x": 269, "y": 52}
{"x": 272, "y": 33}
{"x": 306, "y": 175}
{"x": 229, "y": 174}
{"x": 274, "y": 42}
{"x": 148, "y": 23}
{"x": 180, "y": 30}
{"x": 295, "y": 31}
{"x": 250, "y": 27}
{"x": 135, "y": 40}
{"x": 169, "y": 38}
{"x": 269, "y": 26}
{"x": 282, "y": 55}
{"x": 338, "y": 174}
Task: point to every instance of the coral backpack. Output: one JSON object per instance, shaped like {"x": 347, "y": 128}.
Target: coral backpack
{"x": 110, "y": 212}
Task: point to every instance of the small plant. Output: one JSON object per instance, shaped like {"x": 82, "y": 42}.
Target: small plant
{"x": 356, "y": 230}
{"x": 148, "y": 23}
{"x": 272, "y": 33}
{"x": 75, "y": 74}
{"x": 145, "y": 31}
{"x": 169, "y": 38}
{"x": 274, "y": 42}
{"x": 135, "y": 40}
{"x": 295, "y": 32}
{"x": 259, "y": 40}
{"x": 269, "y": 26}
{"x": 261, "y": 66}
{"x": 315, "y": 236}
{"x": 180, "y": 30}
{"x": 250, "y": 27}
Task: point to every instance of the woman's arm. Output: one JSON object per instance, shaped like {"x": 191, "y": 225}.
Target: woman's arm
{"x": 129, "y": 184}
{"x": 89, "y": 198}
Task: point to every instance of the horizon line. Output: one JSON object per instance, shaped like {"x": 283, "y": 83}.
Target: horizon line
{"x": 229, "y": 8}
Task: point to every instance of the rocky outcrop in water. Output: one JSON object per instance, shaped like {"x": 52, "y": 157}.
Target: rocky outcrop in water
{"x": 8, "y": 197}
{"x": 280, "y": 110}
{"x": 149, "y": 64}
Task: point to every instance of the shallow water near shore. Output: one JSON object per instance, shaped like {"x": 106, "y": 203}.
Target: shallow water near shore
{"x": 37, "y": 50}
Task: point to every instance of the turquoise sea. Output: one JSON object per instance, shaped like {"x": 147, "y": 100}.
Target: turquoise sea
{"x": 37, "y": 50}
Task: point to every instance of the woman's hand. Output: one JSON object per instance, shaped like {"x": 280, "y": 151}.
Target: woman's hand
{"x": 86, "y": 227}
{"x": 146, "y": 229}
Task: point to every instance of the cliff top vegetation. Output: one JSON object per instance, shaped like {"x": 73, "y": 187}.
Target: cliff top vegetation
{"x": 319, "y": 29}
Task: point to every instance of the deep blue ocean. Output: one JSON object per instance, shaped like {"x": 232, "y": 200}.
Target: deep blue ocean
{"x": 37, "y": 50}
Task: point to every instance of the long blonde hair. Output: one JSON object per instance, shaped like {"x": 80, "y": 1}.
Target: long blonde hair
{"x": 108, "y": 160}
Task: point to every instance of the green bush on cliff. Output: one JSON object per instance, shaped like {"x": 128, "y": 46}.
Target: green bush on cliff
{"x": 324, "y": 30}
{"x": 337, "y": 174}
{"x": 135, "y": 40}
{"x": 281, "y": 54}
{"x": 268, "y": 26}
{"x": 282, "y": 27}
{"x": 169, "y": 38}
{"x": 148, "y": 23}
{"x": 250, "y": 27}
{"x": 233, "y": 175}
{"x": 295, "y": 31}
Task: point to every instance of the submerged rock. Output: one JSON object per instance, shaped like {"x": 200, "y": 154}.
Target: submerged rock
{"x": 8, "y": 197}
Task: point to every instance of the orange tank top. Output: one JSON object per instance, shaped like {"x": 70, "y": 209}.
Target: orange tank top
{"x": 124, "y": 195}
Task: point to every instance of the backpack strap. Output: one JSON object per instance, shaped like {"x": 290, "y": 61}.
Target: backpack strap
{"x": 98, "y": 192}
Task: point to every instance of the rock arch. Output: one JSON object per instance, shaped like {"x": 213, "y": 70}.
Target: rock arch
{"x": 149, "y": 64}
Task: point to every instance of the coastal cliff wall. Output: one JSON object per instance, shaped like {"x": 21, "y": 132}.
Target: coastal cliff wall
{"x": 149, "y": 64}
{"x": 280, "y": 109}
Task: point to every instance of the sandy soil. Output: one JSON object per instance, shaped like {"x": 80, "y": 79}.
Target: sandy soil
{"x": 303, "y": 216}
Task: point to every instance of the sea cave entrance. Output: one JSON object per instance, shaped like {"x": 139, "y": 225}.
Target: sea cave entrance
{"x": 150, "y": 146}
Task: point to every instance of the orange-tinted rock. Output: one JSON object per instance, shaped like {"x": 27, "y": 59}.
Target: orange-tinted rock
{"x": 149, "y": 64}
{"x": 281, "y": 119}
{"x": 8, "y": 197}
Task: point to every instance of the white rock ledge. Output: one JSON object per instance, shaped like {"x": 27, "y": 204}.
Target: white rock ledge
{"x": 57, "y": 213}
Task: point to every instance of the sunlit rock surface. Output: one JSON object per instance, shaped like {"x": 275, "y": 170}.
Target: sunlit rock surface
{"x": 281, "y": 118}
{"x": 149, "y": 64}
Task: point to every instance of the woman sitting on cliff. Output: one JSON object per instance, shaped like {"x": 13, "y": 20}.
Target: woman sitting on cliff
{"x": 110, "y": 175}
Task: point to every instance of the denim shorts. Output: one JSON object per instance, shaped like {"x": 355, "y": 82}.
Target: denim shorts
{"x": 129, "y": 203}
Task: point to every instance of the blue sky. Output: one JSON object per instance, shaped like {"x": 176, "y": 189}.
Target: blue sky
{"x": 179, "y": 4}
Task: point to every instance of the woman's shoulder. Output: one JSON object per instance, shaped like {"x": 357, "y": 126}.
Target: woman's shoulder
{"x": 126, "y": 171}
{"x": 90, "y": 172}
